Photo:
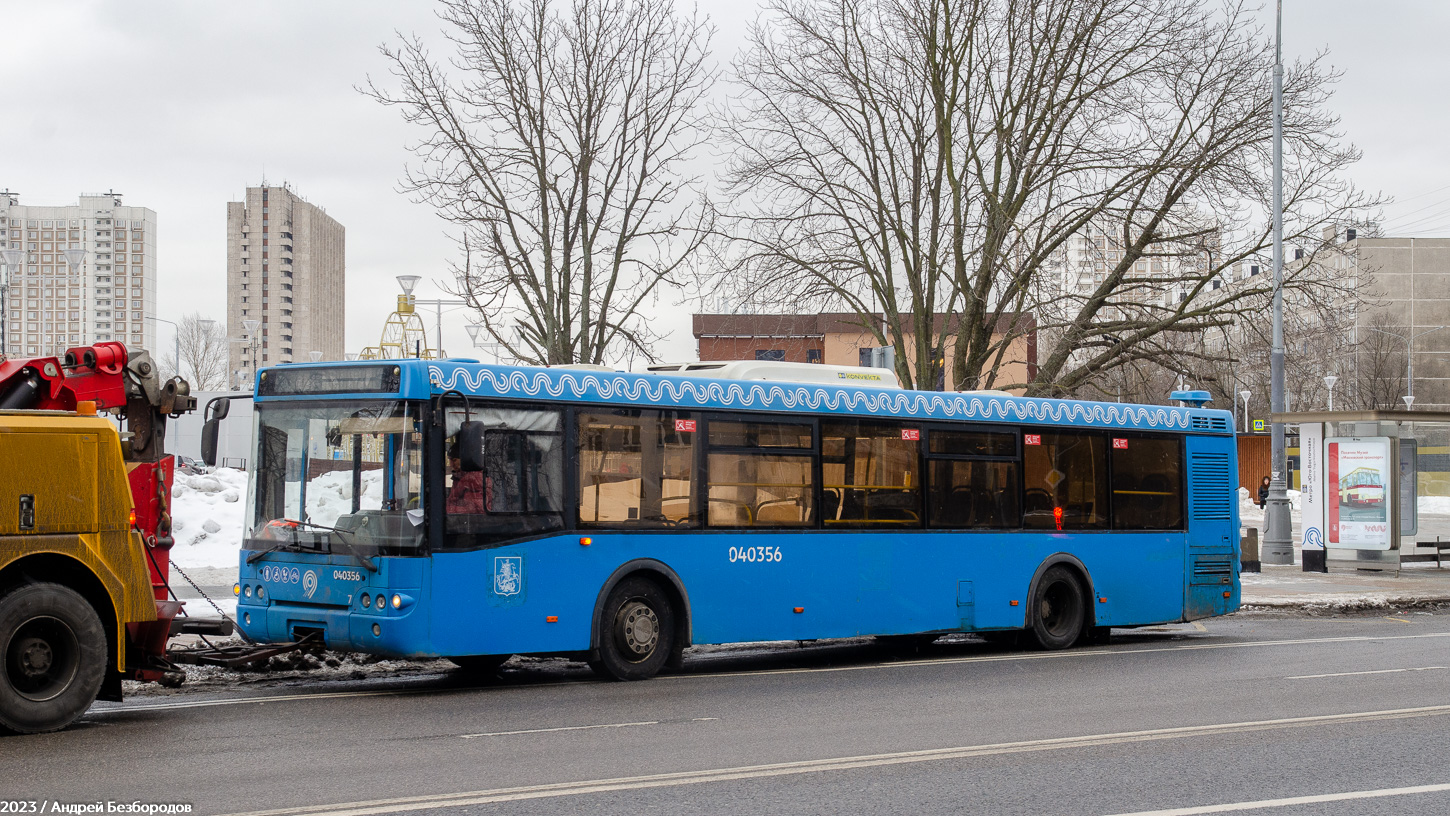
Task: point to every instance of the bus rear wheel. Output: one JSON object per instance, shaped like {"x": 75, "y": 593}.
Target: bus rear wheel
{"x": 1058, "y": 609}
{"x": 636, "y": 631}
{"x": 54, "y": 651}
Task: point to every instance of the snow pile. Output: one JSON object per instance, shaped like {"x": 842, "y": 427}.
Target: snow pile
{"x": 1248, "y": 502}
{"x": 330, "y": 495}
{"x": 207, "y": 517}
{"x": 1435, "y": 505}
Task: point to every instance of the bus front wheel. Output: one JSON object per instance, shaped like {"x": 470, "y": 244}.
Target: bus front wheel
{"x": 1058, "y": 610}
{"x": 636, "y": 631}
{"x": 54, "y": 651}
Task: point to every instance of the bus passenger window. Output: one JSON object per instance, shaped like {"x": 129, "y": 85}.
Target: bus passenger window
{"x": 1147, "y": 483}
{"x": 635, "y": 469}
{"x": 1065, "y": 485}
{"x": 870, "y": 475}
{"x": 513, "y": 484}
{"x": 972, "y": 493}
{"x": 756, "y": 479}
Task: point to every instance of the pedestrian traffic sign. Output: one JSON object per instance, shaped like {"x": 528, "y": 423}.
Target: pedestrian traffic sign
{"x": 1258, "y": 425}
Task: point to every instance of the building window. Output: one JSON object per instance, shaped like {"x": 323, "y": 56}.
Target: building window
{"x": 770, "y": 354}
{"x": 813, "y": 355}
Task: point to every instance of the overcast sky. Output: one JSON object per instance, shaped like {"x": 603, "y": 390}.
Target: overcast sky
{"x": 182, "y": 105}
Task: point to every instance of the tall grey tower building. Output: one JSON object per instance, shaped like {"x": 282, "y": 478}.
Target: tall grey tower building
{"x": 285, "y": 270}
{"x": 52, "y": 304}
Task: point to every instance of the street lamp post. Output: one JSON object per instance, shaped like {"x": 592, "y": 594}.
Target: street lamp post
{"x": 12, "y": 259}
{"x": 1330, "y": 380}
{"x": 73, "y": 258}
{"x": 474, "y": 329}
{"x": 176, "y": 340}
{"x": 1278, "y": 543}
{"x": 250, "y": 326}
{"x": 1244, "y": 395}
{"x": 1409, "y": 357}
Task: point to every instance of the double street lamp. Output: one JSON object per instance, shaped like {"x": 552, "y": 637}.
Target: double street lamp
{"x": 1409, "y": 339}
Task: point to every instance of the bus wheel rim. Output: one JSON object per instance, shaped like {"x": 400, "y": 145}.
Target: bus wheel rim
{"x": 1054, "y": 608}
{"x": 42, "y": 658}
{"x": 639, "y": 628}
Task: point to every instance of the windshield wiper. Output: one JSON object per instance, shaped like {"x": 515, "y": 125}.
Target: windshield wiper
{"x": 361, "y": 559}
{"x": 281, "y": 546}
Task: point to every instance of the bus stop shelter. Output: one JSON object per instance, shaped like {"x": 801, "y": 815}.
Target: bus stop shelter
{"x": 1375, "y": 488}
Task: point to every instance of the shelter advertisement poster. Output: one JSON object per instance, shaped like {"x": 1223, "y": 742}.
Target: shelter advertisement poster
{"x": 1311, "y": 482}
{"x": 1357, "y": 496}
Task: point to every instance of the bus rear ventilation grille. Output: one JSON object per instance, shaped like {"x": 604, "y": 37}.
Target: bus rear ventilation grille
{"x": 1211, "y": 494}
{"x": 1213, "y": 567}
{"x": 1209, "y": 423}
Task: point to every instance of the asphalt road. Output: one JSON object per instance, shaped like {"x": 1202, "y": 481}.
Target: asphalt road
{"x": 1352, "y": 713}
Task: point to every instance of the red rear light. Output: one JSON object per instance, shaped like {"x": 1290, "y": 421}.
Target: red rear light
{"x": 1057, "y": 516}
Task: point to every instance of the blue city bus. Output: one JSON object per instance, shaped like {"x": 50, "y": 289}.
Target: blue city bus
{"x": 423, "y": 508}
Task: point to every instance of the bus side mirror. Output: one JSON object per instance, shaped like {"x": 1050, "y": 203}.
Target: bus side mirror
{"x": 470, "y": 446}
{"x": 216, "y": 411}
{"x": 208, "y": 442}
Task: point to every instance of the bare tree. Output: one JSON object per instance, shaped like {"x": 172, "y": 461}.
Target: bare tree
{"x": 555, "y": 139}
{"x": 931, "y": 155}
{"x": 1378, "y": 376}
{"x": 203, "y": 346}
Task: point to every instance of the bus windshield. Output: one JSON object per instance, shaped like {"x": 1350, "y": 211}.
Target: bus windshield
{"x": 330, "y": 472}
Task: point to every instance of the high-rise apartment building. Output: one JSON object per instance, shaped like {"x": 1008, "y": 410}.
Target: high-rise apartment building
{"x": 285, "y": 270}
{"x": 51, "y": 305}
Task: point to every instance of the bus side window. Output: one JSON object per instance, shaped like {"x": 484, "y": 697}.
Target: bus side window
{"x": 870, "y": 475}
{"x": 1147, "y": 483}
{"x": 760, "y": 475}
{"x": 636, "y": 468}
{"x": 973, "y": 481}
{"x": 511, "y": 482}
{"x": 1065, "y": 485}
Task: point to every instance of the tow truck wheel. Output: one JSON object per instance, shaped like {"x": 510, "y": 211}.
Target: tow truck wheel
{"x": 54, "y": 650}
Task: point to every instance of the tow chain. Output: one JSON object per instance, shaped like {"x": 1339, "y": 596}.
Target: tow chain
{"x": 235, "y": 628}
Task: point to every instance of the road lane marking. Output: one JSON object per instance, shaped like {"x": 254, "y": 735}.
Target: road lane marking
{"x": 948, "y": 661}
{"x": 406, "y": 804}
{"x": 561, "y": 728}
{"x": 1401, "y": 620}
{"x": 1200, "y": 627}
{"x": 1074, "y": 653}
{"x": 582, "y": 727}
{"x": 1376, "y": 671}
{"x": 1291, "y": 801}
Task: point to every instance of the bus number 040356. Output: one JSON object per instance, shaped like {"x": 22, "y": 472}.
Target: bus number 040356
{"x": 755, "y": 555}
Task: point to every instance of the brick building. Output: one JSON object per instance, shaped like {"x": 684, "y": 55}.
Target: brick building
{"x": 836, "y": 339}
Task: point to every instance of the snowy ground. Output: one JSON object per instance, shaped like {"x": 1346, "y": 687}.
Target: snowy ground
{"x": 206, "y": 518}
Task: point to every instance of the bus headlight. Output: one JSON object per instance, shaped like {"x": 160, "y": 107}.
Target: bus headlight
{"x": 367, "y": 601}
{"x": 236, "y": 589}
{"x": 382, "y": 602}
{"x": 247, "y": 591}
{"x": 261, "y": 592}
{"x": 397, "y": 601}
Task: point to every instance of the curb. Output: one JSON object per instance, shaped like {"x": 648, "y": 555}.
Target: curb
{"x": 1335, "y": 605}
